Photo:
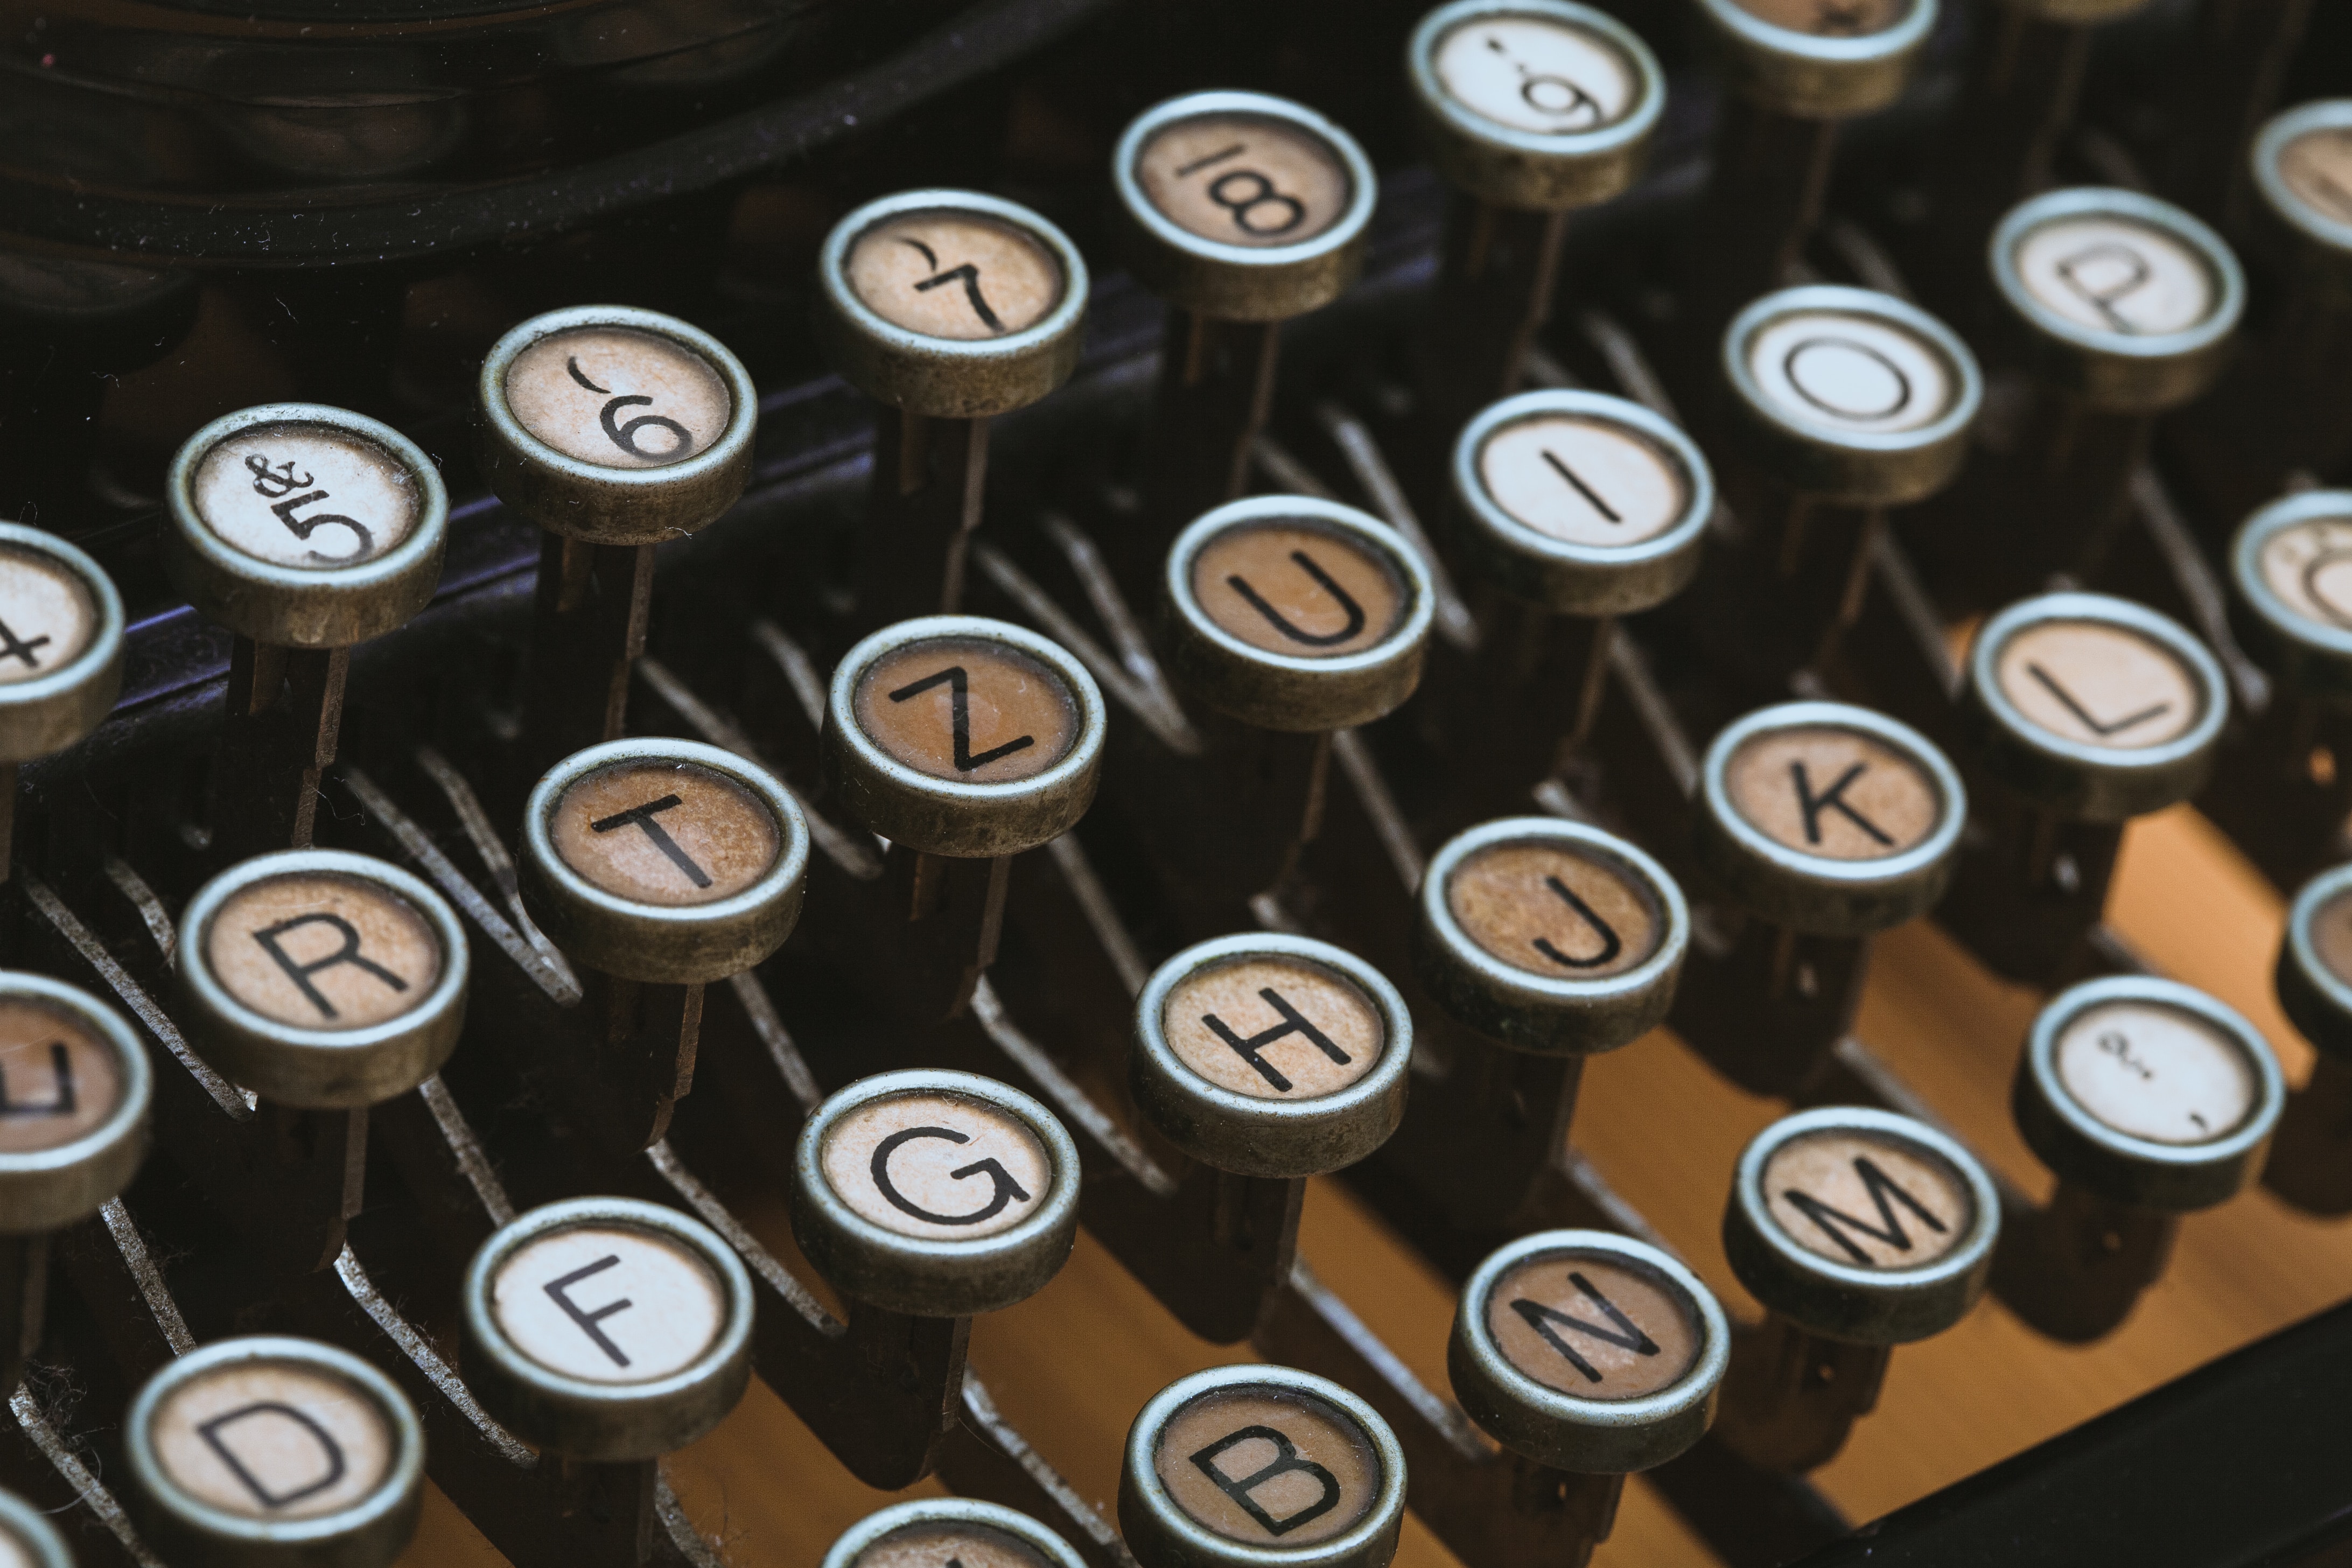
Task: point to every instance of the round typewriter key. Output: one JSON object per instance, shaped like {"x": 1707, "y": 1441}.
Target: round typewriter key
{"x": 950, "y": 303}
{"x": 1582, "y": 502}
{"x": 614, "y": 425}
{"x": 2095, "y": 707}
{"x": 60, "y": 644}
{"x": 932, "y": 1532}
{"x": 667, "y": 862}
{"x": 1245, "y": 207}
{"x": 1818, "y": 59}
{"x": 2148, "y": 1093}
{"x": 27, "y": 1539}
{"x": 2291, "y": 564}
{"x": 321, "y": 979}
{"x": 962, "y": 736}
{"x": 2303, "y": 166}
{"x": 1851, "y": 395}
{"x": 2133, "y": 300}
{"x": 1534, "y": 104}
{"x": 276, "y": 1450}
{"x": 1829, "y": 818}
{"x": 606, "y": 1329}
{"x": 1588, "y": 1351}
{"x": 1550, "y": 936}
{"x": 1862, "y": 1225}
{"x": 1264, "y": 1054}
{"x": 74, "y": 1090}
{"x": 1296, "y": 614}
{"x": 298, "y": 525}
{"x": 1247, "y": 1467}
{"x": 941, "y": 1194}
{"x": 2315, "y": 964}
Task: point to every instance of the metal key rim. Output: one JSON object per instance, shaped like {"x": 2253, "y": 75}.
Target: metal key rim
{"x": 1610, "y": 1437}
{"x": 30, "y": 1529}
{"x": 388, "y": 1517}
{"x": 314, "y": 1069}
{"x": 2316, "y": 1000}
{"x": 1346, "y": 230}
{"x": 1819, "y": 77}
{"x": 2324, "y": 114}
{"x": 79, "y": 693}
{"x": 2229, "y": 278}
{"x": 73, "y": 1181}
{"x": 2307, "y": 642}
{"x": 878, "y": 1526}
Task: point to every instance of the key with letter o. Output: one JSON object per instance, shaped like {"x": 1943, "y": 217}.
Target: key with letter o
{"x": 1858, "y": 1230}
{"x": 61, "y": 654}
{"x": 932, "y": 1532}
{"x": 2309, "y": 1165}
{"x": 1243, "y": 211}
{"x": 74, "y": 1092}
{"x": 2088, "y": 711}
{"x": 305, "y": 530}
{"x": 2149, "y": 1101}
{"x": 272, "y": 1450}
{"x": 612, "y": 429}
{"x": 948, "y": 308}
{"x": 1252, "y": 1466}
{"x": 934, "y": 1195}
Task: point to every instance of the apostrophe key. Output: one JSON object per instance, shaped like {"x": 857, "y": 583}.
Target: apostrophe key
{"x": 1589, "y": 1357}
{"x": 274, "y": 1452}
{"x": 949, "y": 308}
{"x": 1261, "y": 1466}
{"x": 2149, "y": 1102}
{"x": 607, "y": 1333}
{"x": 963, "y": 741}
{"x": 2085, "y": 712}
{"x": 1820, "y": 825}
{"x": 612, "y": 429}
{"x": 305, "y": 530}
{"x": 1244, "y": 211}
{"x": 1858, "y": 1230}
{"x": 1531, "y": 109}
{"x": 324, "y": 983}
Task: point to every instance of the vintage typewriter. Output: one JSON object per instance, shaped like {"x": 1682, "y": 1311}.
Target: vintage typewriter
{"x": 1034, "y": 783}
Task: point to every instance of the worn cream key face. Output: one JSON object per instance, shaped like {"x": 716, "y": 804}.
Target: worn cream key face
{"x": 1594, "y": 1326}
{"x": 1867, "y": 1202}
{"x": 1552, "y": 913}
{"x": 938, "y": 1543}
{"x": 966, "y": 710}
{"x": 323, "y": 951}
{"x": 1833, "y": 792}
{"x": 619, "y": 399}
{"x": 308, "y": 495}
{"x": 1843, "y": 373}
{"x": 2309, "y": 566}
{"x": 1831, "y": 18}
{"x": 2116, "y": 275}
{"x": 1583, "y": 482}
{"x": 1289, "y": 588}
{"x": 2331, "y": 936}
{"x": 1241, "y": 180}
{"x": 2098, "y": 685}
{"x": 1536, "y": 73}
{"x": 2156, "y": 1073}
{"x": 46, "y": 615}
{"x": 274, "y": 1440}
{"x": 60, "y": 1079}
{"x": 609, "y": 1304}
{"x": 1273, "y": 1027}
{"x": 938, "y": 1167}
{"x": 1267, "y": 1465}
{"x": 955, "y": 274}
{"x": 2317, "y": 167}
{"x": 668, "y": 834}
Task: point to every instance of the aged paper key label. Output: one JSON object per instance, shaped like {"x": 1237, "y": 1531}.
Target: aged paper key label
{"x": 306, "y": 495}
{"x": 46, "y": 615}
{"x": 274, "y": 1441}
{"x": 322, "y": 952}
{"x": 1552, "y": 913}
{"x": 619, "y": 399}
{"x": 937, "y": 1166}
{"x": 1268, "y": 1465}
{"x": 667, "y": 834}
{"x": 58, "y": 1079}
{"x": 1594, "y": 1327}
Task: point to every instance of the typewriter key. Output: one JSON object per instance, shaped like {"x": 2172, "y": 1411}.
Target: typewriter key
{"x": 932, "y": 1532}
{"x": 1250, "y": 1467}
{"x": 2290, "y": 565}
{"x": 2309, "y": 1165}
{"x": 1588, "y": 1353}
{"x": 607, "y": 1331}
{"x": 937, "y": 1195}
{"x": 1270, "y": 1055}
{"x": 61, "y": 654}
{"x": 1818, "y": 59}
{"x": 27, "y": 1539}
{"x": 305, "y": 530}
{"x": 1858, "y": 1230}
{"x": 273, "y": 1450}
{"x": 1243, "y": 211}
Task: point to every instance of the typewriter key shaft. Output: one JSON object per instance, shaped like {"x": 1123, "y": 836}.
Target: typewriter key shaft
{"x": 2310, "y": 1165}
